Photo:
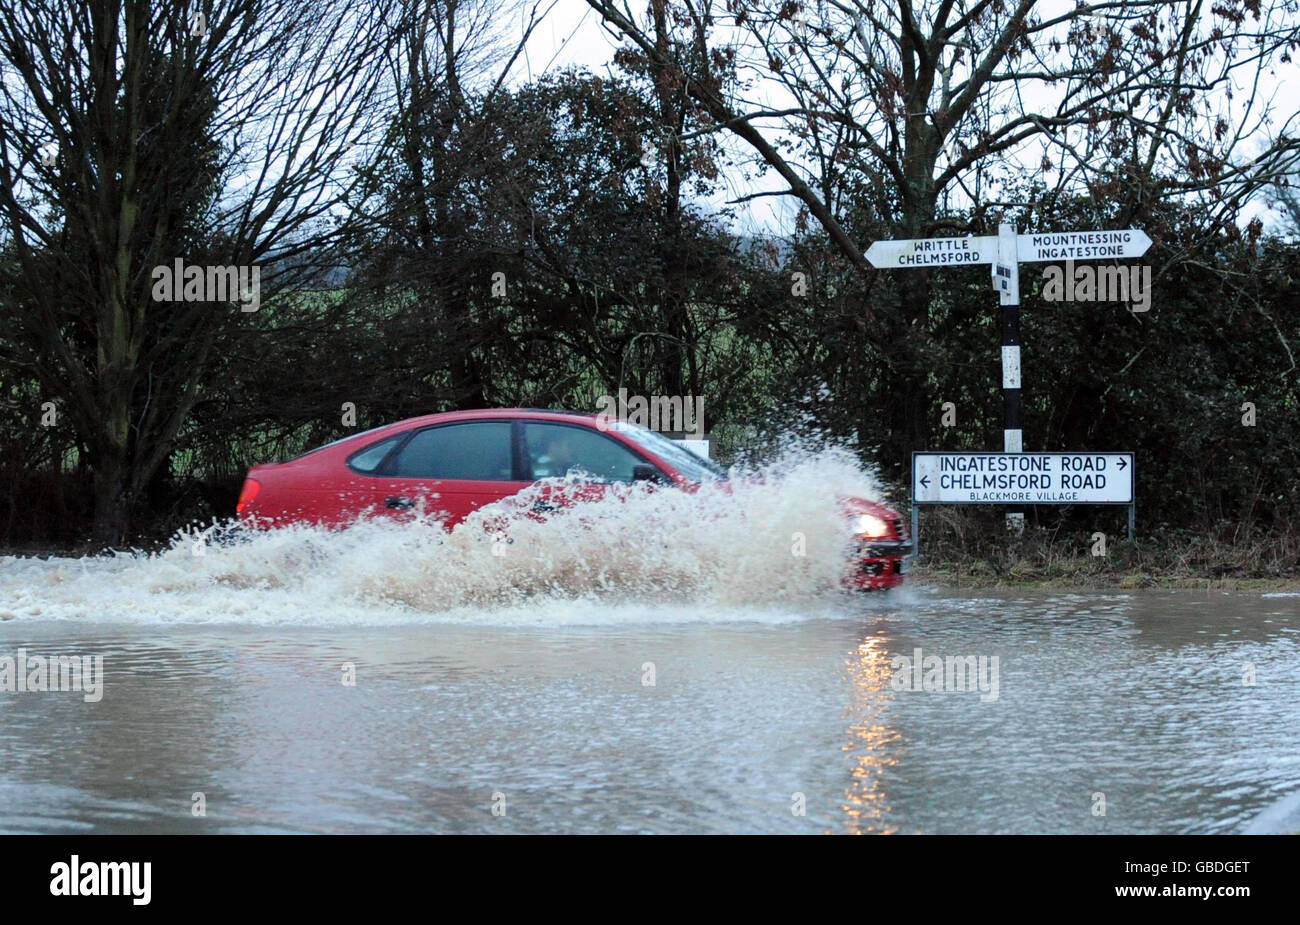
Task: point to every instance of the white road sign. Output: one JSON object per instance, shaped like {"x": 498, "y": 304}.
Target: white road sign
{"x": 1022, "y": 478}
{"x": 1030, "y": 248}
{"x": 1081, "y": 245}
{"x": 932, "y": 252}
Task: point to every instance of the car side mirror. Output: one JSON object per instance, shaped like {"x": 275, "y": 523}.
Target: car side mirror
{"x": 643, "y": 472}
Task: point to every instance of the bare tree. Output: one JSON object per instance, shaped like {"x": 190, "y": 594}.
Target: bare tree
{"x": 136, "y": 132}
{"x": 908, "y": 103}
{"x": 449, "y": 60}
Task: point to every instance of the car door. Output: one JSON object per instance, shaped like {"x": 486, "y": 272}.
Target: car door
{"x": 450, "y": 470}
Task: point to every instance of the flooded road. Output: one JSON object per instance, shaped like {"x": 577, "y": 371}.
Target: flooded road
{"x": 1142, "y": 712}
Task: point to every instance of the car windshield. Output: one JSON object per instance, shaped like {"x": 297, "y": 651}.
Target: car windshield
{"x": 694, "y": 467}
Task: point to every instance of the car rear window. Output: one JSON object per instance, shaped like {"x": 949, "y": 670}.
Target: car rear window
{"x": 332, "y": 443}
{"x": 368, "y": 460}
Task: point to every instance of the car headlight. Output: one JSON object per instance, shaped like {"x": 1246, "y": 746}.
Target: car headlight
{"x": 869, "y": 525}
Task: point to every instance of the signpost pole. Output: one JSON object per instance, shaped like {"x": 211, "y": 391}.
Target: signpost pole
{"x": 1132, "y": 519}
{"x": 1006, "y": 280}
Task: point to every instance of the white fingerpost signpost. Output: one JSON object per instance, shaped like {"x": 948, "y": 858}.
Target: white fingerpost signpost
{"x": 1005, "y": 252}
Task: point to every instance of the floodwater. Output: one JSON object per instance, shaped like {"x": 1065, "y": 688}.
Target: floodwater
{"x": 679, "y": 666}
{"x": 1138, "y": 699}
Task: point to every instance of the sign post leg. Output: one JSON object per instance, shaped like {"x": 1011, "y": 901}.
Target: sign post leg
{"x": 1132, "y": 520}
{"x": 916, "y": 533}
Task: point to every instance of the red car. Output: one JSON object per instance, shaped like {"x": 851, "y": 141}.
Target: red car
{"x": 458, "y": 462}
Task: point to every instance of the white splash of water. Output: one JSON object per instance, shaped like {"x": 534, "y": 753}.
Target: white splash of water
{"x": 723, "y": 553}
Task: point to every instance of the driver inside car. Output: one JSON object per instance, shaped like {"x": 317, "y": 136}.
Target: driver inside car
{"x": 556, "y": 461}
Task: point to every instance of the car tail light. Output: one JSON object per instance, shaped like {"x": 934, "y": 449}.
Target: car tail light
{"x": 247, "y": 494}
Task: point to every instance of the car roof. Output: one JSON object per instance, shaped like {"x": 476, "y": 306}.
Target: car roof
{"x": 384, "y": 431}
{"x": 541, "y": 414}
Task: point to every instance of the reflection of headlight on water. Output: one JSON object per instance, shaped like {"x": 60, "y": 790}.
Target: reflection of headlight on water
{"x": 868, "y": 525}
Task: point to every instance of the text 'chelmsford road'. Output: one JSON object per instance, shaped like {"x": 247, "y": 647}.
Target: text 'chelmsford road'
{"x": 1022, "y": 478}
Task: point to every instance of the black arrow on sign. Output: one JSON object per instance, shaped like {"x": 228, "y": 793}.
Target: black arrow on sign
{"x": 1123, "y": 464}
{"x": 925, "y": 481}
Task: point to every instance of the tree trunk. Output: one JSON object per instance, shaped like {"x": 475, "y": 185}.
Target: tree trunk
{"x": 112, "y": 506}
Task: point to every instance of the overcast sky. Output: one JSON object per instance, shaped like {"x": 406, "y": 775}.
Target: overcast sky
{"x": 573, "y": 35}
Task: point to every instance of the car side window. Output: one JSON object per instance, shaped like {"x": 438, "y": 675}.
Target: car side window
{"x": 368, "y": 460}
{"x": 556, "y": 449}
{"x": 478, "y": 451}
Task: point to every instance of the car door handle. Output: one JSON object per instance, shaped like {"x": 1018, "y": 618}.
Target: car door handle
{"x": 399, "y": 504}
